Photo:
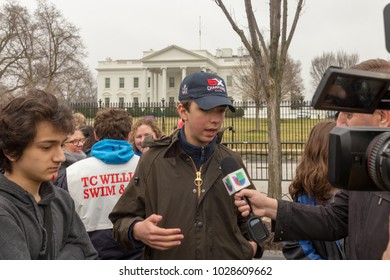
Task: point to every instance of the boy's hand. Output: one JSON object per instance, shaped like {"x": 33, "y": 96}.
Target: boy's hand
{"x": 156, "y": 237}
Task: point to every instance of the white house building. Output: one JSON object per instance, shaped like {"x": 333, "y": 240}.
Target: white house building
{"x": 158, "y": 74}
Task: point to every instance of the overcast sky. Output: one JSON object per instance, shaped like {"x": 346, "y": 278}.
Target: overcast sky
{"x": 123, "y": 29}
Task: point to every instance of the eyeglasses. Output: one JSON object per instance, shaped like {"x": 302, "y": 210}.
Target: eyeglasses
{"x": 76, "y": 141}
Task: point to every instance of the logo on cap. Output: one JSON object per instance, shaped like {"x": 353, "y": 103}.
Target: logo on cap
{"x": 184, "y": 90}
{"x": 215, "y": 84}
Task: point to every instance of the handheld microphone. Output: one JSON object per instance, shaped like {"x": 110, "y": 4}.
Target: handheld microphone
{"x": 236, "y": 179}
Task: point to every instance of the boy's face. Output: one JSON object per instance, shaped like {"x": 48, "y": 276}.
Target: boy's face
{"x": 41, "y": 159}
{"x": 201, "y": 126}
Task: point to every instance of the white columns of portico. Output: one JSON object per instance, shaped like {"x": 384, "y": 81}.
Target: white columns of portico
{"x": 145, "y": 86}
{"x": 164, "y": 83}
{"x": 183, "y": 72}
{"x": 155, "y": 93}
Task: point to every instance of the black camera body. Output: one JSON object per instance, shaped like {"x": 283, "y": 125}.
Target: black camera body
{"x": 359, "y": 158}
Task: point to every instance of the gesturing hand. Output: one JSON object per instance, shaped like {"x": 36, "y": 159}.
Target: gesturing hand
{"x": 149, "y": 233}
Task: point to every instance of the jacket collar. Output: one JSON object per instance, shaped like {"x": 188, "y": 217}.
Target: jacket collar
{"x": 198, "y": 154}
{"x": 172, "y": 142}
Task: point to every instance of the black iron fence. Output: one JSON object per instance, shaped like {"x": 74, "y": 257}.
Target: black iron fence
{"x": 247, "y": 133}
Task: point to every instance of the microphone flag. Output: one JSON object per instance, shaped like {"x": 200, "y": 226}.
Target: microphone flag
{"x": 236, "y": 181}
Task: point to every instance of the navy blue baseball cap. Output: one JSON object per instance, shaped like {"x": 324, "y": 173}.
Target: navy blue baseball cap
{"x": 206, "y": 89}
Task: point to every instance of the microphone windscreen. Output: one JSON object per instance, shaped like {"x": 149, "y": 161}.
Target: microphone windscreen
{"x": 229, "y": 165}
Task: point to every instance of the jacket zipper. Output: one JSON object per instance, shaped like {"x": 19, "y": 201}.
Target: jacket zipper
{"x": 198, "y": 181}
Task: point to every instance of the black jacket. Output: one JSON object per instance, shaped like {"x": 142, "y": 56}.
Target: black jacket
{"x": 313, "y": 249}
{"x": 362, "y": 216}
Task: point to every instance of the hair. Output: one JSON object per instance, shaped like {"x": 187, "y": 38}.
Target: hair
{"x": 89, "y": 136}
{"x": 144, "y": 121}
{"x": 112, "y": 123}
{"x": 19, "y": 120}
{"x": 187, "y": 104}
{"x": 312, "y": 170}
{"x": 374, "y": 65}
{"x": 79, "y": 119}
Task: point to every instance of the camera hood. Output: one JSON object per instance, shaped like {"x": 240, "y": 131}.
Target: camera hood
{"x": 351, "y": 90}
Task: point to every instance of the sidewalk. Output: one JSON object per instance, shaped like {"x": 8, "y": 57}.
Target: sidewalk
{"x": 273, "y": 255}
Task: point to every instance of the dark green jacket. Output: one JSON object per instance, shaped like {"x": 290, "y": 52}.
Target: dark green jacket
{"x": 163, "y": 184}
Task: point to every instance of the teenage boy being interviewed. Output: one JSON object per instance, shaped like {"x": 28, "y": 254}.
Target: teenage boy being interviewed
{"x": 37, "y": 220}
{"x": 176, "y": 204}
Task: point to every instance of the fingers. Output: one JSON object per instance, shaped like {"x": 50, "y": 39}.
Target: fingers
{"x": 246, "y": 192}
{"x": 156, "y": 237}
{"x": 155, "y": 219}
{"x": 164, "y": 239}
{"x": 241, "y": 204}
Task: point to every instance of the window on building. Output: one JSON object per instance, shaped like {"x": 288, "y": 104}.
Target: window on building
{"x": 107, "y": 83}
{"x": 107, "y": 102}
{"x": 135, "y": 102}
{"x": 171, "y": 101}
{"x": 149, "y": 82}
{"x": 229, "y": 81}
{"x": 121, "y": 102}
{"x": 121, "y": 82}
{"x": 136, "y": 82}
{"x": 171, "y": 82}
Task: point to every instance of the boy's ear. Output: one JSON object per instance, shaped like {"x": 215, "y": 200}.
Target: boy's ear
{"x": 9, "y": 156}
{"x": 96, "y": 137}
{"x": 182, "y": 111}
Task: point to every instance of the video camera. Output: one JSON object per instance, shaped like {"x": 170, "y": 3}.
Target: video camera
{"x": 359, "y": 157}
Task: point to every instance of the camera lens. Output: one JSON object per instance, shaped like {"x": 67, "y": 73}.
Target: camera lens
{"x": 378, "y": 161}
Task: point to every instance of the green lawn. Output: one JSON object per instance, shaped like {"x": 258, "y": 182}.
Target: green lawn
{"x": 292, "y": 130}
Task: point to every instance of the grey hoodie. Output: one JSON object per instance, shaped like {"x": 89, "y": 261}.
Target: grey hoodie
{"x": 23, "y": 231}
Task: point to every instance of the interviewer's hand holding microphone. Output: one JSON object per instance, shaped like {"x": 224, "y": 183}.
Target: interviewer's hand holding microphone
{"x": 235, "y": 180}
{"x": 260, "y": 204}
{"x": 248, "y": 201}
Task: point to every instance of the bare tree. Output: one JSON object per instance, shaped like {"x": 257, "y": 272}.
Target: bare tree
{"x": 77, "y": 85}
{"x": 248, "y": 85}
{"x": 320, "y": 63}
{"x": 12, "y": 19}
{"x": 292, "y": 82}
{"x": 270, "y": 60}
{"x": 50, "y": 55}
